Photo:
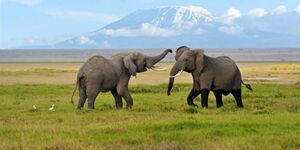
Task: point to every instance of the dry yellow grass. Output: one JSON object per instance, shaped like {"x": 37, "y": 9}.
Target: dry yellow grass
{"x": 65, "y": 73}
{"x": 271, "y": 72}
{"x": 285, "y": 67}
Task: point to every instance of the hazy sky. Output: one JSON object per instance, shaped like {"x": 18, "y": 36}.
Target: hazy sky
{"x": 28, "y": 22}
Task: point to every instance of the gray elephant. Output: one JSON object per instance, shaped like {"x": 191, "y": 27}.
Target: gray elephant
{"x": 99, "y": 74}
{"x": 218, "y": 74}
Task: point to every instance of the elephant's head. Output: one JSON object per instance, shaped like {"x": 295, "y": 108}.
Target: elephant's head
{"x": 186, "y": 60}
{"x": 137, "y": 62}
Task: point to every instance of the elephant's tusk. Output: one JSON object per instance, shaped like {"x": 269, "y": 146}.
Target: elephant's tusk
{"x": 178, "y": 74}
{"x": 154, "y": 69}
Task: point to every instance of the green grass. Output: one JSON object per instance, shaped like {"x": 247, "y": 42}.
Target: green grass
{"x": 270, "y": 120}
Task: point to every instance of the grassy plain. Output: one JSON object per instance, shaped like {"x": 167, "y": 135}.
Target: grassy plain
{"x": 270, "y": 119}
{"x": 65, "y": 73}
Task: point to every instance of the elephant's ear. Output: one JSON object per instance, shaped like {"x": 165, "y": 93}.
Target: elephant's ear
{"x": 199, "y": 60}
{"x": 129, "y": 64}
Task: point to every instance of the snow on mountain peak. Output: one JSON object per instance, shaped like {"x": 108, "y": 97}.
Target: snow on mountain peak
{"x": 165, "y": 17}
{"x": 195, "y": 11}
{"x": 188, "y": 16}
{"x": 160, "y": 21}
{"x": 180, "y": 17}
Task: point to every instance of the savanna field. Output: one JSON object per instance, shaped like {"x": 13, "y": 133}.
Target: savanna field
{"x": 269, "y": 120}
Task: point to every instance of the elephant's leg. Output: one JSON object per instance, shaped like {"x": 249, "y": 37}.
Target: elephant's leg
{"x": 238, "y": 97}
{"x": 118, "y": 98}
{"x": 128, "y": 99}
{"x": 218, "y": 95}
{"x": 204, "y": 98}
{"x": 123, "y": 91}
{"x": 92, "y": 93}
{"x": 82, "y": 97}
{"x": 193, "y": 94}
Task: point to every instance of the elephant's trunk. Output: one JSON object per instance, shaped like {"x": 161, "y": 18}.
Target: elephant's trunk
{"x": 151, "y": 61}
{"x": 176, "y": 71}
{"x": 171, "y": 82}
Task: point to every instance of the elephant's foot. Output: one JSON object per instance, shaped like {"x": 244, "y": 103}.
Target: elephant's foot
{"x": 119, "y": 107}
{"x": 129, "y": 104}
{"x": 192, "y": 104}
{"x": 240, "y": 105}
{"x": 218, "y": 106}
{"x": 205, "y": 107}
{"x": 79, "y": 107}
{"x": 91, "y": 107}
{"x": 119, "y": 104}
{"x": 238, "y": 97}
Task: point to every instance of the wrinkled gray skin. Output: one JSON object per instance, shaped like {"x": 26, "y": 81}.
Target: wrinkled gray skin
{"x": 99, "y": 74}
{"x": 218, "y": 74}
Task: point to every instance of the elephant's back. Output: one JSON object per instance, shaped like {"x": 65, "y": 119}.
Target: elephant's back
{"x": 97, "y": 66}
{"x": 99, "y": 71}
{"x": 94, "y": 63}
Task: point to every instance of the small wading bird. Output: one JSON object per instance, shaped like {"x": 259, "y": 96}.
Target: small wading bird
{"x": 34, "y": 107}
{"x": 52, "y": 107}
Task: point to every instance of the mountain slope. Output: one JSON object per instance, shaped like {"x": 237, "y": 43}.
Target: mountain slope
{"x": 187, "y": 25}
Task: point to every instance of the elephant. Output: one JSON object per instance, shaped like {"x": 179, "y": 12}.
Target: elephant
{"x": 217, "y": 74}
{"x": 99, "y": 74}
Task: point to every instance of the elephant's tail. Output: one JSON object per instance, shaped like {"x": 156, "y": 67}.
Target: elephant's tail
{"x": 77, "y": 82}
{"x": 248, "y": 86}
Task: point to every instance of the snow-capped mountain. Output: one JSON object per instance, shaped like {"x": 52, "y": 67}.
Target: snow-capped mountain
{"x": 165, "y": 17}
{"x": 189, "y": 25}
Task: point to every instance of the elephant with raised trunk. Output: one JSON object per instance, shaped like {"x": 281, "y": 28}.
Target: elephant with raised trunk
{"x": 99, "y": 74}
{"x": 218, "y": 74}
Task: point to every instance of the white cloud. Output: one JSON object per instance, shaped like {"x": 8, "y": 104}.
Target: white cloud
{"x": 279, "y": 10}
{"x": 31, "y": 41}
{"x": 298, "y": 8}
{"x": 229, "y": 16}
{"x": 85, "y": 40}
{"x": 47, "y": 40}
{"x": 151, "y": 30}
{"x": 146, "y": 29}
{"x": 23, "y": 2}
{"x": 120, "y": 32}
{"x": 201, "y": 31}
{"x": 81, "y": 15}
{"x": 258, "y": 12}
{"x": 231, "y": 30}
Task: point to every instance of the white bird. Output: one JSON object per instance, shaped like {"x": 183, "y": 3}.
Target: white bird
{"x": 52, "y": 107}
{"x": 34, "y": 107}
